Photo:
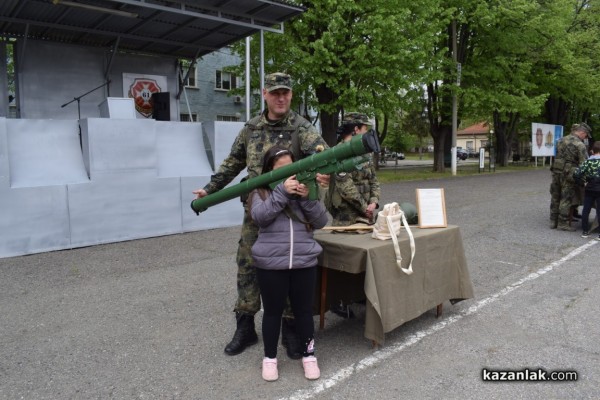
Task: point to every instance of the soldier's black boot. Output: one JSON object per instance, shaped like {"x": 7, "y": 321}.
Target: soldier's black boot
{"x": 244, "y": 336}
{"x": 289, "y": 339}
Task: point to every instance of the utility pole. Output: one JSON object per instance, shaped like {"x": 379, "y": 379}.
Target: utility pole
{"x": 262, "y": 69}
{"x": 248, "y": 78}
{"x": 454, "y": 100}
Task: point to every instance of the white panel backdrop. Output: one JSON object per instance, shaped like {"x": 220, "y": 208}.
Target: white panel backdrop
{"x": 130, "y": 179}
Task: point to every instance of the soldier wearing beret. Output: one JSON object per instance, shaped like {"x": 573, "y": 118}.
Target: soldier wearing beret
{"x": 277, "y": 125}
{"x": 353, "y": 196}
{"x": 565, "y": 194}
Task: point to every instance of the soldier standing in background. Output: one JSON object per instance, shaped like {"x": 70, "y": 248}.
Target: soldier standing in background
{"x": 564, "y": 191}
{"x": 353, "y": 196}
{"x": 278, "y": 125}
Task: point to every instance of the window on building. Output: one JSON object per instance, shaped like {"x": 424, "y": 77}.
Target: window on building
{"x": 470, "y": 144}
{"x": 185, "y": 117}
{"x": 225, "y": 80}
{"x": 192, "y": 79}
{"x": 230, "y": 118}
{"x": 10, "y": 76}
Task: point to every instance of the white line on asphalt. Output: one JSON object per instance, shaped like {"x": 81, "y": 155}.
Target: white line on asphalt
{"x": 388, "y": 352}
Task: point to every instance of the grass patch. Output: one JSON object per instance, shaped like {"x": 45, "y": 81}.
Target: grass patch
{"x": 389, "y": 175}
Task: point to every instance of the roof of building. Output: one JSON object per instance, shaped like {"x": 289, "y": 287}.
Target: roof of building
{"x": 177, "y": 28}
{"x": 480, "y": 128}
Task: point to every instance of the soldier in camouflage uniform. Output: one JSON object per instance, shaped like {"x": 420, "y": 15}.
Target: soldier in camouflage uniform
{"x": 564, "y": 191}
{"x": 277, "y": 125}
{"x": 353, "y": 196}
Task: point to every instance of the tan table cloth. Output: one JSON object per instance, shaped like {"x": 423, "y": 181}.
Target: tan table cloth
{"x": 393, "y": 298}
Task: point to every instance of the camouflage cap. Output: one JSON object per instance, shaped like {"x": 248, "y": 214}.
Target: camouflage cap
{"x": 356, "y": 118}
{"x": 278, "y": 80}
{"x": 582, "y": 127}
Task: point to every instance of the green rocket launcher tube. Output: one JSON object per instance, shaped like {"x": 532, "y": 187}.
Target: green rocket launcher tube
{"x": 344, "y": 157}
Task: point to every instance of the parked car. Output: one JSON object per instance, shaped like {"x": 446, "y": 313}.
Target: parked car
{"x": 472, "y": 153}
{"x": 461, "y": 154}
{"x": 395, "y": 156}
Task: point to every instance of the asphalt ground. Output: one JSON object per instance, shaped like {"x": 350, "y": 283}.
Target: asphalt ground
{"x": 148, "y": 319}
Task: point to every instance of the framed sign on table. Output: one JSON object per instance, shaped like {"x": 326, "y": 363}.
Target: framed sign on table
{"x": 431, "y": 207}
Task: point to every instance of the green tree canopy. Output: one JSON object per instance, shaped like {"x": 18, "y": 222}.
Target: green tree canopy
{"x": 351, "y": 55}
{"x": 522, "y": 61}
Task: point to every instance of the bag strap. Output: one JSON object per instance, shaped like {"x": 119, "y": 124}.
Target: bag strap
{"x": 408, "y": 270}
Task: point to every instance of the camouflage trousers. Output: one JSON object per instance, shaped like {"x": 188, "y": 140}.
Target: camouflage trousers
{"x": 248, "y": 300}
{"x": 564, "y": 193}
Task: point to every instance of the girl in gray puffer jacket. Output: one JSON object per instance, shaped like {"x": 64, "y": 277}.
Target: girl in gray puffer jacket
{"x": 285, "y": 255}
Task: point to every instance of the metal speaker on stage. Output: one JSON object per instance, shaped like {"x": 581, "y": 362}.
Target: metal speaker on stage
{"x": 161, "y": 106}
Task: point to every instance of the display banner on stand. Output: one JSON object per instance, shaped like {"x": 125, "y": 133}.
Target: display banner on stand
{"x": 544, "y": 138}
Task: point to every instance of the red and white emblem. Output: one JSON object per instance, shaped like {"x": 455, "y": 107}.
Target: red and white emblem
{"x": 141, "y": 91}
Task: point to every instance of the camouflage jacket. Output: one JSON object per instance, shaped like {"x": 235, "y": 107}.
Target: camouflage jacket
{"x": 257, "y": 136}
{"x": 570, "y": 153}
{"x": 351, "y": 193}
{"x": 588, "y": 173}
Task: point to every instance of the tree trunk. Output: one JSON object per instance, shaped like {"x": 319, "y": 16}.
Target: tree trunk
{"x": 556, "y": 111}
{"x": 505, "y": 133}
{"x": 439, "y": 115}
{"x": 442, "y": 141}
{"x": 381, "y": 134}
{"x": 438, "y": 153}
{"x": 329, "y": 121}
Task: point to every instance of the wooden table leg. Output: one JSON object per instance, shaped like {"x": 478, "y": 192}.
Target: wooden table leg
{"x": 323, "y": 297}
{"x": 438, "y": 310}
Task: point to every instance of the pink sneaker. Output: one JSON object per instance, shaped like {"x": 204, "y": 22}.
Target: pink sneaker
{"x": 269, "y": 369}
{"x": 311, "y": 368}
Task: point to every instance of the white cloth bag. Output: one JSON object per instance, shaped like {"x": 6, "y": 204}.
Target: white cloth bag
{"x": 388, "y": 225}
